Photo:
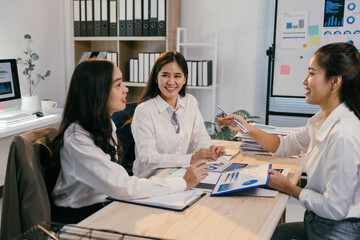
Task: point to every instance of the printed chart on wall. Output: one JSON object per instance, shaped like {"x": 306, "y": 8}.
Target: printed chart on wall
{"x": 301, "y": 28}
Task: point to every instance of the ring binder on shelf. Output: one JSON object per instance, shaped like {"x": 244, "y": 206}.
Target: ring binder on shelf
{"x": 129, "y": 18}
{"x": 137, "y": 18}
{"x": 89, "y": 18}
{"x": 153, "y": 18}
{"x": 82, "y": 18}
{"x": 122, "y": 17}
{"x": 145, "y": 18}
{"x": 161, "y": 18}
{"x": 97, "y": 17}
{"x": 76, "y": 18}
{"x": 112, "y": 18}
{"x": 104, "y": 18}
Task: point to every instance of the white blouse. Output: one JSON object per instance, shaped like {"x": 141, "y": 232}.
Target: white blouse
{"x": 157, "y": 145}
{"x": 88, "y": 175}
{"x": 332, "y": 163}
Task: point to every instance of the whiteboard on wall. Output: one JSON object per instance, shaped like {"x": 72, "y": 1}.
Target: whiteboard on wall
{"x": 302, "y": 26}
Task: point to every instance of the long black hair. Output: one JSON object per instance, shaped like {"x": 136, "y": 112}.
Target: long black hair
{"x": 343, "y": 59}
{"x": 152, "y": 89}
{"x": 87, "y": 105}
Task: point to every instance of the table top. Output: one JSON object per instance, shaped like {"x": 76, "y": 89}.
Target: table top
{"x": 53, "y": 118}
{"x": 220, "y": 217}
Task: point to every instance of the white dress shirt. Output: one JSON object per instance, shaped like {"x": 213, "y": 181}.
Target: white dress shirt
{"x": 332, "y": 163}
{"x": 88, "y": 175}
{"x": 157, "y": 145}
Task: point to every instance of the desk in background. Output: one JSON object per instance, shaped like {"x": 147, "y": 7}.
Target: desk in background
{"x": 6, "y": 133}
{"x": 225, "y": 217}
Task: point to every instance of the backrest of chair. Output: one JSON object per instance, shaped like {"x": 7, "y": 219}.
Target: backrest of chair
{"x": 25, "y": 195}
{"x": 125, "y": 135}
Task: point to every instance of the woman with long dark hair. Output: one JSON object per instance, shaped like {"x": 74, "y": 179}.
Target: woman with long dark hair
{"x": 331, "y": 142}
{"x": 167, "y": 121}
{"x": 89, "y": 151}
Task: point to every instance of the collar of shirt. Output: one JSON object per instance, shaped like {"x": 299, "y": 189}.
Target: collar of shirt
{"x": 330, "y": 121}
{"x": 162, "y": 105}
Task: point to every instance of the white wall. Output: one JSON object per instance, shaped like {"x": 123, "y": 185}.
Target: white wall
{"x": 247, "y": 33}
{"x": 44, "y": 20}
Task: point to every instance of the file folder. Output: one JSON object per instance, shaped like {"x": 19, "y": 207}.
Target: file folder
{"x": 151, "y": 61}
{"x": 83, "y": 18}
{"x": 153, "y": 18}
{"x": 131, "y": 70}
{"x": 188, "y": 80}
{"x": 141, "y": 67}
{"x": 89, "y": 18}
{"x": 97, "y": 17}
{"x": 138, "y": 19}
{"x": 207, "y": 73}
{"x": 122, "y": 17}
{"x": 199, "y": 73}
{"x": 136, "y": 70}
{"x": 76, "y": 18}
{"x": 129, "y": 18}
{"x": 194, "y": 73}
{"x": 145, "y": 18}
{"x": 161, "y": 18}
{"x": 112, "y": 18}
{"x": 146, "y": 66}
{"x": 104, "y": 18}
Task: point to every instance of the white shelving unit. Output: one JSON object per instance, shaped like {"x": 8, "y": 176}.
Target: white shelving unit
{"x": 182, "y": 45}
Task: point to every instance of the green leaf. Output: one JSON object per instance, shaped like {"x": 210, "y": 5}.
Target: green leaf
{"x": 25, "y": 72}
{"x": 34, "y": 56}
{"x": 32, "y": 82}
{"x": 19, "y": 61}
{"x": 48, "y": 72}
{"x": 27, "y": 36}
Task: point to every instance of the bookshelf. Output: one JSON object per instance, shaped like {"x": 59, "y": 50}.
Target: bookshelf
{"x": 182, "y": 46}
{"x": 128, "y": 47}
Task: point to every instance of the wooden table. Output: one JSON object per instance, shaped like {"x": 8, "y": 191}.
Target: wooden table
{"x": 225, "y": 217}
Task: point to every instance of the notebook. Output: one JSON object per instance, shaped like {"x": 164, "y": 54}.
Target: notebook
{"x": 176, "y": 201}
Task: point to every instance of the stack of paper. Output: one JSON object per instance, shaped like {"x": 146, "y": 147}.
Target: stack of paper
{"x": 249, "y": 146}
{"x": 15, "y": 117}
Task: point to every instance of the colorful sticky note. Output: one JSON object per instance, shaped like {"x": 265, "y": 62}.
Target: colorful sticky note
{"x": 314, "y": 40}
{"x": 1, "y": 106}
{"x": 284, "y": 69}
{"x": 313, "y": 30}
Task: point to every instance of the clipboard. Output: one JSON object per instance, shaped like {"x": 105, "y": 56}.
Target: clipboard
{"x": 175, "y": 202}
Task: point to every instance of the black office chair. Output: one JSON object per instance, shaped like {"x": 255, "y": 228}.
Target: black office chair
{"x": 30, "y": 178}
{"x": 125, "y": 136}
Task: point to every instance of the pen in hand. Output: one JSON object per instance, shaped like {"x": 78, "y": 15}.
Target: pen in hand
{"x": 234, "y": 120}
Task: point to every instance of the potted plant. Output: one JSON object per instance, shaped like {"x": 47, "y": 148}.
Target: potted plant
{"x": 31, "y": 103}
{"x": 225, "y": 133}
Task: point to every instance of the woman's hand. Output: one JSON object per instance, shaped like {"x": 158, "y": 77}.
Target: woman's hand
{"x": 204, "y": 153}
{"x": 281, "y": 183}
{"x": 195, "y": 173}
{"x": 219, "y": 150}
{"x": 227, "y": 122}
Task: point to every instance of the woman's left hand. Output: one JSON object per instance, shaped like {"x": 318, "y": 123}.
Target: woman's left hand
{"x": 282, "y": 183}
{"x": 219, "y": 150}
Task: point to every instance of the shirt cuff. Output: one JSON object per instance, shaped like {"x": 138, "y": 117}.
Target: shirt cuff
{"x": 177, "y": 184}
{"x": 302, "y": 197}
{"x": 183, "y": 160}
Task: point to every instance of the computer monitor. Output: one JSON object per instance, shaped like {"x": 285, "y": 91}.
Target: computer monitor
{"x": 10, "y": 95}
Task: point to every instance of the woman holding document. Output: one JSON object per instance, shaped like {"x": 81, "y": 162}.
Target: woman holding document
{"x": 331, "y": 141}
{"x": 89, "y": 151}
{"x": 167, "y": 120}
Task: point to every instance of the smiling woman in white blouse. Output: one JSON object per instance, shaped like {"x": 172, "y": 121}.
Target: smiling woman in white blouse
{"x": 167, "y": 121}
{"x": 331, "y": 141}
